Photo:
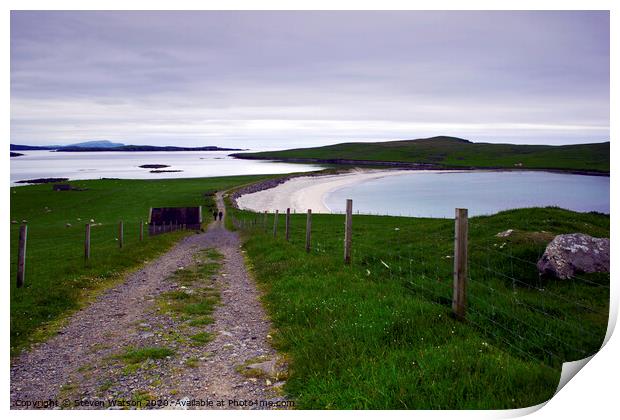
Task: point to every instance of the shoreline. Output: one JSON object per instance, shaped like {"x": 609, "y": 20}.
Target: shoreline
{"x": 304, "y": 191}
{"x": 300, "y": 193}
{"x": 420, "y": 166}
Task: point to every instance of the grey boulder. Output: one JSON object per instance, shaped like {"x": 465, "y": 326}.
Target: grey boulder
{"x": 574, "y": 253}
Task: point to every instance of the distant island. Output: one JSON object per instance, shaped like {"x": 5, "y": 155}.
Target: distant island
{"x": 444, "y": 152}
{"x": 154, "y": 166}
{"x": 108, "y": 146}
{"x": 15, "y": 154}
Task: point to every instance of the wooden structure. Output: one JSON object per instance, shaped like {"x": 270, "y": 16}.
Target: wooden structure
{"x": 459, "y": 294}
{"x": 162, "y": 218}
{"x": 348, "y": 231}
{"x": 21, "y": 255}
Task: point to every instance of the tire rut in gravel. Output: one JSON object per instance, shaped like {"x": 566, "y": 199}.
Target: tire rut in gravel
{"x": 83, "y": 362}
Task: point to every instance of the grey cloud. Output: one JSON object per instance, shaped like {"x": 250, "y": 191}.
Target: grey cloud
{"x": 159, "y": 75}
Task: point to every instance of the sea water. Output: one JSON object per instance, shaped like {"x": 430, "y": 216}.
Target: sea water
{"x": 126, "y": 165}
{"x": 438, "y": 193}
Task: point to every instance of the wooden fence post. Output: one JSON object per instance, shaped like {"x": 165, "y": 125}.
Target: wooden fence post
{"x": 141, "y": 230}
{"x": 308, "y": 229}
{"x": 287, "y": 224}
{"x": 275, "y": 224}
{"x": 87, "y": 242}
{"x": 21, "y": 255}
{"x": 120, "y": 234}
{"x": 347, "y": 232}
{"x": 459, "y": 293}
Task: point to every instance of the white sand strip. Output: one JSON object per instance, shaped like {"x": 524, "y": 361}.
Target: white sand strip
{"x": 308, "y": 192}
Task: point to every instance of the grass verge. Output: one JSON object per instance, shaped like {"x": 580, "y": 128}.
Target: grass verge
{"x": 378, "y": 334}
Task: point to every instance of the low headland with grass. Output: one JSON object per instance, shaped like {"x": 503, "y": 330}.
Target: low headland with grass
{"x": 444, "y": 152}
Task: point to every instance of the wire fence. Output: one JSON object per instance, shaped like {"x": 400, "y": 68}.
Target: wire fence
{"x": 541, "y": 319}
{"x": 76, "y": 245}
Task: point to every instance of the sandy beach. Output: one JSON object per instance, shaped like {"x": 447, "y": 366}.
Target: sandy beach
{"x": 307, "y": 192}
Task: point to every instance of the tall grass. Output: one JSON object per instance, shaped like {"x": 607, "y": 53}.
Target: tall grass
{"x": 378, "y": 333}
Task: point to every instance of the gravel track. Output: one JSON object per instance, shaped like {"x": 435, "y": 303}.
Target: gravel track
{"x": 79, "y": 363}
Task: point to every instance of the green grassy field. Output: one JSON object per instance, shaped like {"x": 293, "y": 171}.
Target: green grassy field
{"x": 454, "y": 152}
{"x": 378, "y": 334}
{"x": 58, "y": 280}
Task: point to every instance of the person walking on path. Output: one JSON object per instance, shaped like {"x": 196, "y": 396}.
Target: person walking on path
{"x": 220, "y": 214}
{"x": 215, "y": 215}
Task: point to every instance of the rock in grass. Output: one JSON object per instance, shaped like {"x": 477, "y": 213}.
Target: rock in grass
{"x": 505, "y": 233}
{"x": 268, "y": 368}
{"x": 574, "y": 253}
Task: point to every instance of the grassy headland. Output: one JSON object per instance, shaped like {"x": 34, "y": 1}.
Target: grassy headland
{"x": 451, "y": 152}
{"x": 58, "y": 280}
{"x": 378, "y": 334}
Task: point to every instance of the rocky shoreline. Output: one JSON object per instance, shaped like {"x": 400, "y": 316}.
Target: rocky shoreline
{"x": 416, "y": 166}
{"x": 41, "y": 180}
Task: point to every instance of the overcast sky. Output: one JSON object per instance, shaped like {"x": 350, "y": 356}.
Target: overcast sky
{"x": 289, "y": 79}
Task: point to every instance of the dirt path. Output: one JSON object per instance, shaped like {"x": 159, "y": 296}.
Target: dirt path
{"x": 84, "y": 365}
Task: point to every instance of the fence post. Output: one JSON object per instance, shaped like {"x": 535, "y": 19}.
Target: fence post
{"x": 120, "y": 234}
{"x": 21, "y": 255}
{"x": 308, "y": 229}
{"x": 347, "y": 232}
{"x": 275, "y": 224}
{"x": 141, "y": 230}
{"x": 459, "y": 296}
{"x": 287, "y": 224}
{"x": 87, "y": 242}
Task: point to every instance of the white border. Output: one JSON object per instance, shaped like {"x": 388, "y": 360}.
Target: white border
{"x": 592, "y": 394}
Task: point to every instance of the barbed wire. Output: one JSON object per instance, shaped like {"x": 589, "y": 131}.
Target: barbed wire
{"x": 512, "y": 257}
{"x": 528, "y": 326}
{"x": 539, "y": 289}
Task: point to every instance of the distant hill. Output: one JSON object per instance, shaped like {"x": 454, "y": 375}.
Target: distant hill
{"x": 450, "y": 152}
{"x": 108, "y": 146}
{"x": 95, "y": 143}
{"x": 133, "y": 148}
